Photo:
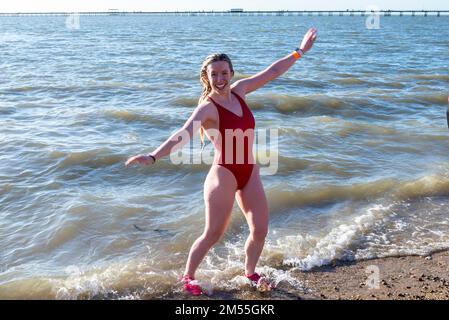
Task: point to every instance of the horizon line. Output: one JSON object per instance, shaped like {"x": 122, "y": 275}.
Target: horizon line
{"x": 240, "y": 10}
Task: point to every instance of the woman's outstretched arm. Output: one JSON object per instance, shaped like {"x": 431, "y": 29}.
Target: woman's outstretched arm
{"x": 277, "y": 68}
{"x": 177, "y": 140}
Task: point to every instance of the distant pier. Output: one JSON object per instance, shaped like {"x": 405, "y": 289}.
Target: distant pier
{"x": 116, "y": 12}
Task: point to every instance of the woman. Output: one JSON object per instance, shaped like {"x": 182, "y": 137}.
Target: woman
{"x": 222, "y": 111}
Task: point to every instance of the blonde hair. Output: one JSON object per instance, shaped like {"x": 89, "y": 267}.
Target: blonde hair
{"x": 207, "y": 88}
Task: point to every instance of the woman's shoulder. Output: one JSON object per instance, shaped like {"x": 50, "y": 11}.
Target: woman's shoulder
{"x": 238, "y": 89}
{"x": 208, "y": 108}
{"x": 204, "y": 105}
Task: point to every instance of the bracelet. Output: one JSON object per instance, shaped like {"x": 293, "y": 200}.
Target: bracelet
{"x": 153, "y": 157}
{"x": 298, "y": 53}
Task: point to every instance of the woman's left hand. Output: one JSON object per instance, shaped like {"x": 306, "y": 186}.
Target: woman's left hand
{"x": 308, "y": 40}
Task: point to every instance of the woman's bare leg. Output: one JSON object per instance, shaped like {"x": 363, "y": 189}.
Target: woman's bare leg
{"x": 254, "y": 204}
{"x": 219, "y": 192}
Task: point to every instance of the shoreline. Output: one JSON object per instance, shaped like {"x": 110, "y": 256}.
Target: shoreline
{"x": 400, "y": 278}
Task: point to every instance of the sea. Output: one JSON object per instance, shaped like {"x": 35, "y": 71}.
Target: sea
{"x": 358, "y": 137}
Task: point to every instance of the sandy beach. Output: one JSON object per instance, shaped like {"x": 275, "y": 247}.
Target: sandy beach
{"x": 400, "y": 278}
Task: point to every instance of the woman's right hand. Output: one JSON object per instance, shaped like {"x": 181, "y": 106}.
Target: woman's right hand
{"x": 308, "y": 40}
{"x": 140, "y": 158}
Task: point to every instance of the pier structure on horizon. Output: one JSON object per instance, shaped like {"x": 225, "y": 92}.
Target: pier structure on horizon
{"x": 241, "y": 12}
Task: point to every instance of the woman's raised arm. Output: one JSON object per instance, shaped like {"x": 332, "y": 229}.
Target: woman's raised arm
{"x": 277, "y": 68}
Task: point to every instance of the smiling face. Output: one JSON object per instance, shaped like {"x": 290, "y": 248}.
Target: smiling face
{"x": 219, "y": 74}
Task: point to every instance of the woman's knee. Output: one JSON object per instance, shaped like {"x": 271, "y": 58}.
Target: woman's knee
{"x": 212, "y": 236}
{"x": 258, "y": 223}
{"x": 259, "y": 233}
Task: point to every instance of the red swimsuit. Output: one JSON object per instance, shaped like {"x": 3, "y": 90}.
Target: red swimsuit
{"x": 230, "y": 152}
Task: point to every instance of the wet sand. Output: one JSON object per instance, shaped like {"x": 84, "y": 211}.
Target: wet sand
{"x": 399, "y": 278}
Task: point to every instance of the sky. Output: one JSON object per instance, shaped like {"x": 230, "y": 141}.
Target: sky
{"x": 193, "y": 5}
